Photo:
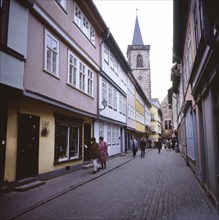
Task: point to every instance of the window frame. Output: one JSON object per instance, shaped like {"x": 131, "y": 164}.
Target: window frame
{"x": 72, "y": 66}
{"x": 46, "y": 48}
{"x": 84, "y": 25}
{"x": 70, "y": 124}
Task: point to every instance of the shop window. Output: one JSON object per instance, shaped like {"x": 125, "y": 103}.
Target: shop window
{"x": 68, "y": 139}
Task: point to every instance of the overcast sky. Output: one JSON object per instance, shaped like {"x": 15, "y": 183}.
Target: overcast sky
{"x": 156, "y": 25}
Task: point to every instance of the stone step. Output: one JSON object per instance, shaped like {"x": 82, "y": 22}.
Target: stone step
{"x": 29, "y": 186}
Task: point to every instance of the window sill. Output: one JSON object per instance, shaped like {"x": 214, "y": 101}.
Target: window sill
{"x": 51, "y": 74}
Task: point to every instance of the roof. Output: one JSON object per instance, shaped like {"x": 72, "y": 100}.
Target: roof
{"x": 137, "y": 38}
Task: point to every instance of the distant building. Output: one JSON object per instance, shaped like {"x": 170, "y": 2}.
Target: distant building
{"x": 167, "y": 118}
{"x": 156, "y": 120}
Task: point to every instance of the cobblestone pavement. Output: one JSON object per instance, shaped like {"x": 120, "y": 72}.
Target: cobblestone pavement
{"x": 159, "y": 186}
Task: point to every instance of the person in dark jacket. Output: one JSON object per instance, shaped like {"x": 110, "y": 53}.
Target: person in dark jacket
{"x": 134, "y": 147}
{"x": 143, "y": 146}
{"x": 94, "y": 154}
{"x": 159, "y": 145}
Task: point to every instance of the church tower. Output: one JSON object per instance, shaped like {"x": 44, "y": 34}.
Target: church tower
{"x": 139, "y": 60}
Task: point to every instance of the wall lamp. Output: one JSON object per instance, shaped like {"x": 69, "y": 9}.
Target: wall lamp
{"x": 104, "y": 103}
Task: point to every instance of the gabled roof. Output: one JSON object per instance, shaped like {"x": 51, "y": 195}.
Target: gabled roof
{"x": 137, "y": 38}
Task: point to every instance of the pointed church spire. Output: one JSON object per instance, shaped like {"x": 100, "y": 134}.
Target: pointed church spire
{"x": 137, "y": 38}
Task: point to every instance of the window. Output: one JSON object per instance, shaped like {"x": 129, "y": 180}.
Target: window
{"x": 109, "y": 134}
{"x": 110, "y": 96}
{"x": 152, "y": 117}
{"x": 79, "y": 75}
{"x": 197, "y": 23}
{"x": 82, "y": 77}
{"x": 111, "y": 61}
{"x": 168, "y": 124}
{"x": 90, "y": 83}
{"x": 104, "y": 90}
{"x": 101, "y": 130}
{"x": 92, "y": 35}
{"x": 67, "y": 140}
{"x": 51, "y": 54}
{"x": 129, "y": 111}
{"x": 113, "y": 135}
{"x": 106, "y": 53}
{"x": 116, "y": 67}
{"x": 62, "y": 3}
{"x": 123, "y": 105}
{"x": 139, "y": 61}
{"x": 83, "y": 24}
{"x": 78, "y": 17}
{"x": 72, "y": 71}
{"x": 114, "y": 99}
{"x": 117, "y": 135}
{"x": 120, "y": 103}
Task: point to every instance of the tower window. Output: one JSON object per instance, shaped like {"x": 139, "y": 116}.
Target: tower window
{"x": 139, "y": 60}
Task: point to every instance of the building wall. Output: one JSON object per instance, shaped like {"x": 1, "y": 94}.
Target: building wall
{"x": 39, "y": 81}
{"x": 46, "y": 144}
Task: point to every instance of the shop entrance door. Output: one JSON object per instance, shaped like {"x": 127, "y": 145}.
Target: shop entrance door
{"x": 28, "y": 146}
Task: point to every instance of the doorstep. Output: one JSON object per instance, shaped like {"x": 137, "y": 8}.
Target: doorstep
{"x": 29, "y": 186}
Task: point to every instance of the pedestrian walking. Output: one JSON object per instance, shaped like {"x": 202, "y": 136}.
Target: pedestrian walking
{"x": 134, "y": 147}
{"x": 173, "y": 144}
{"x": 102, "y": 152}
{"x": 159, "y": 145}
{"x": 143, "y": 146}
{"x": 94, "y": 154}
{"x": 149, "y": 143}
{"x": 168, "y": 145}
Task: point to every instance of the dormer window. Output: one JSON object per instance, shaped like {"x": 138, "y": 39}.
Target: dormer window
{"x": 139, "y": 60}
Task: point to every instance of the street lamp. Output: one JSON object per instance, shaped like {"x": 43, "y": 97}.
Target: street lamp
{"x": 104, "y": 103}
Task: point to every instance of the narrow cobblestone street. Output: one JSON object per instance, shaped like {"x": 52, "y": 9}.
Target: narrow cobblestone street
{"x": 159, "y": 186}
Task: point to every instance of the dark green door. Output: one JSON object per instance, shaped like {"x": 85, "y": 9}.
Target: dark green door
{"x": 28, "y": 146}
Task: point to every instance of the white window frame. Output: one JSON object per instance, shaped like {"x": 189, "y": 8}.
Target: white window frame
{"x": 84, "y": 25}
{"x": 78, "y": 16}
{"x": 117, "y": 135}
{"x": 112, "y": 61}
{"x": 90, "y": 82}
{"x": 110, "y": 96}
{"x": 114, "y": 99}
{"x": 109, "y": 134}
{"x": 106, "y": 53}
{"x": 72, "y": 69}
{"x": 101, "y": 129}
{"x": 82, "y": 77}
{"x": 113, "y": 135}
{"x": 104, "y": 90}
{"x": 48, "y": 68}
